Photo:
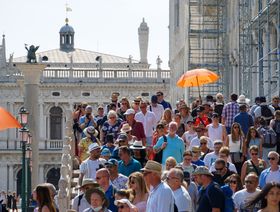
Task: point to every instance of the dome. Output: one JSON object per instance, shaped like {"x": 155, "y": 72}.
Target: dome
{"x": 66, "y": 29}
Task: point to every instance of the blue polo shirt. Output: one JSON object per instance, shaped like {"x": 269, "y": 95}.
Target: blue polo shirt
{"x": 132, "y": 166}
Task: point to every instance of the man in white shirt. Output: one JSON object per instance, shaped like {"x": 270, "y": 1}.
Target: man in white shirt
{"x": 175, "y": 180}
{"x": 89, "y": 166}
{"x": 242, "y": 197}
{"x": 161, "y": 197}
{"x": 212, "y": 156}
{"x": 156, "y": 108}
{"x": 148, "y": 119}
{"x": 271, "y": 174}
{"x": 117, "y": 179}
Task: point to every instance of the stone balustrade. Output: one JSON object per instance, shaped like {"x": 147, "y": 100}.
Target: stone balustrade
{"x": 102, "y": 75}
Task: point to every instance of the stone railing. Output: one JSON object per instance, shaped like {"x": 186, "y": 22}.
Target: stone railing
{"x": 93, "y": 75}
{"x": 54, "y": 144}
{"x": 64, "y": 183}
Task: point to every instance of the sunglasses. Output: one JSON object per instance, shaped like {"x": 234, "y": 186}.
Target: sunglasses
{"x": 254, "y": 154}
{"x": 203, "y": 143}
{"x": 220, "y": 169}
{"x": 236, "y": 127}
{"x": 271, "y": 158}
{"x": 112, "y": 117}
{"x": 248, "y": 182}
{"x": 132, "y": 182}
{"x": 233, "y": 182}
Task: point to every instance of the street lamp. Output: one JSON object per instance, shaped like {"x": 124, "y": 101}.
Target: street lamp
{"x": 24, "y": 135}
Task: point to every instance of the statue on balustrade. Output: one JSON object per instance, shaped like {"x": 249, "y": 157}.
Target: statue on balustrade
{"x": 31, "y": 56}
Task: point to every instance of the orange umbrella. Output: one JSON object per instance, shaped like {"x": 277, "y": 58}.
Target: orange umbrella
{"x": 7, "y": 120}
{"x": 197, "y": 77}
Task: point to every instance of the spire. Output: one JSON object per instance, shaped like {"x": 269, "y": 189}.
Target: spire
{"x": 3, "y": 52}
{"x": 143, "y": 36}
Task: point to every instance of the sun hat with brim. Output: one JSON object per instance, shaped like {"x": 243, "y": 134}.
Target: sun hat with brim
{"x": 126, "y": 128}
{"x": 152, "y": 166}
{"x": 129, "y": 112}
{"x": 92, "y": 147}
{"x": 89, "y": 131}
{"x": 124, "y": 201}
{"x": 243, "y": 100}
{"x": 137, "y": 145}
{"x": 88, "y": 181}
{"x": 202, "y": 170}
{"x": 99, "y": 191}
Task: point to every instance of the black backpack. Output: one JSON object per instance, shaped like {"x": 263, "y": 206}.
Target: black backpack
{"x": 158, "y": 156}
{"x": 266, "y": 112}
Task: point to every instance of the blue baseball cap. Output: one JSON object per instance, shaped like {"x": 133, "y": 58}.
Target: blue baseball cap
{"x": 112, "y": 161}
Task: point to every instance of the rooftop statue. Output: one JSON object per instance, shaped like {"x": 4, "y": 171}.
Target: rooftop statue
{"x": 31, "y": 56}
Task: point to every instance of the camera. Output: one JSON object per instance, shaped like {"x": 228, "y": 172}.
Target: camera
{"x": 88, "y": 116}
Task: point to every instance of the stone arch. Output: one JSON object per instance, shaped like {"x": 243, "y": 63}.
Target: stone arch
{"x": 53, "y": 176}
{"x": 56, "y": 123}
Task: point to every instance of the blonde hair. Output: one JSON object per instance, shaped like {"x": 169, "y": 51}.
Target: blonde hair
{"x": 139, "y": 178}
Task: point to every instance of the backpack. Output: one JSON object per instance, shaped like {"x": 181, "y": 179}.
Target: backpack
{"x": 158, "y": 156}
{"x": 269, "y": 137}
{"x": 266, "y": 112}
{"x": 276, "y": 127}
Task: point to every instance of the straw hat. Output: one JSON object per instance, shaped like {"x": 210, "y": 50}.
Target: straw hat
{"x": 89, "y": 131}
{"x": 243, "y": 100}
{"x": 137, "y": 145}
{"x": 202, "y": 170}
{"x": 92, "y": 147}
{"x": 88, "y": 181}
{"x": 152, "y": 166}
{"x": 126, "y": 128}
{"x": 124, "y": 201}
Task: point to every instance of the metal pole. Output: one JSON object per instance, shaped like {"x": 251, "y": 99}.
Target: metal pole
{"x": 28, "y": 183}
{"x": 23, "y": 180}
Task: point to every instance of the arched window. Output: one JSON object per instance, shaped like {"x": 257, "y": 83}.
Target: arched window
{"x": 55, "y": 123}
{"x": 53, "y": 176}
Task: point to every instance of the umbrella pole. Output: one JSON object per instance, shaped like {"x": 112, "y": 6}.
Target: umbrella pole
{"x": 198, "y": 90}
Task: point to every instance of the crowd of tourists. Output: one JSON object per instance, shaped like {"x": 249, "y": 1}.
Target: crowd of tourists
{"x": 211, "y": 155}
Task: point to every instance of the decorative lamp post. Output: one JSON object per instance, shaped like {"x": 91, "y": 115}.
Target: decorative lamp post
{"x": 24, "y": 134}
{"x": 28, "y": 164}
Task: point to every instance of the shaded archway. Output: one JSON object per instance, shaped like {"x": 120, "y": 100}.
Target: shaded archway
{"x": 53, "y": 176}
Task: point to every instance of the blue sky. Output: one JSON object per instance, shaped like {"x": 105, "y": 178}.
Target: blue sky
{"x": 107, "y": 26}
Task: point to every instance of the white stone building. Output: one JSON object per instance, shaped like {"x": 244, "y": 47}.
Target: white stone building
{"x": 71, "y": 76}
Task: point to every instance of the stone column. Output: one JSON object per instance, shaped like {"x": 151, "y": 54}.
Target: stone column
{"x": 32, "y": 74}
{"x": 11, "y": 178}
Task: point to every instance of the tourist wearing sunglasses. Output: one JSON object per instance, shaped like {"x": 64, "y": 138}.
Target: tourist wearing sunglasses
{"x": 271, "y": 174}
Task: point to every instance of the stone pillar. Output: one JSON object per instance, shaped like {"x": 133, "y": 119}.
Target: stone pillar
{"x": 32, "y": 74}
{"x": 41, "y": 177}
{"x": 11, "y": 178}
{"x": 143, "y": 36}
